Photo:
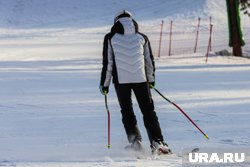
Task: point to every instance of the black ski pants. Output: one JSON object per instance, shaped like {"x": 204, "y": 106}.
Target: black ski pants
{"x": 146, "y": 104}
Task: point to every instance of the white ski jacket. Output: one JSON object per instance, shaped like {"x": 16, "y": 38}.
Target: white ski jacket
{"x": 127, "y": 55}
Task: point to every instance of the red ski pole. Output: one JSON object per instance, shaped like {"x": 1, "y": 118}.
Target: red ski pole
{"x": 106, "y": 105}
{"x": 206, "y": 136}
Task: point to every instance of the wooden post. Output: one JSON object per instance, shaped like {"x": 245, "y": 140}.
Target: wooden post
{"x": 170, "y": 38}
{"x": 197, "y": 34}
{"x": 159, "y": 51}
{"x": 209, "y": 42}
{"x": 210, "y": 49}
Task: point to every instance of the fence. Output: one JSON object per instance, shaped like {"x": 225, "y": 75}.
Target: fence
{"x": 170, "y": 37}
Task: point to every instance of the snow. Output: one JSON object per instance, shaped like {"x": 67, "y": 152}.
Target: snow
{"x": 51, "y": 111}
{"x": 89, "y": 13}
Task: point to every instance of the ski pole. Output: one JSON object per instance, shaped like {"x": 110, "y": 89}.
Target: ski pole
{"x": 206, "y": 136}
{"x": 106, "y": 105}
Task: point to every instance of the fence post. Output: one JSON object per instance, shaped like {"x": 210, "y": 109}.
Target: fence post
{"x": 210, "y": 18}
{"x": 170, "y": 38}
{"x": 209, "y": 42}
{"x": 197, "y": 34}
{"x": 159, "y": 51}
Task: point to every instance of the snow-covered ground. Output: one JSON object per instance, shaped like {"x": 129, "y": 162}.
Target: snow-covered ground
{"x": 51, "y": 111}
{"x": 89, "y": 13}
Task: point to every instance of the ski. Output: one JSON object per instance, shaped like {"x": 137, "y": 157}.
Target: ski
{"x": 186, "y": 151}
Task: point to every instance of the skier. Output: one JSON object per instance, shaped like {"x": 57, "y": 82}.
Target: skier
{"x": 127, "y": 57}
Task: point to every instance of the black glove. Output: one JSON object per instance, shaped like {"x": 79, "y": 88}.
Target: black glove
{"x": 151, "y": 84}
{"x": 104, "y": 89}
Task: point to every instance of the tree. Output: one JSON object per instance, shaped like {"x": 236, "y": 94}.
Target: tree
{"x": 235, "y": 33}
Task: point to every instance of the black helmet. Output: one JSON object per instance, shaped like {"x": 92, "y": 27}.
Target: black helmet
{"x": 123, "y": 13}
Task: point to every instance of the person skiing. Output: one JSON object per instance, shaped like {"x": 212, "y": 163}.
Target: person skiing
{"x": 128, "y": 59}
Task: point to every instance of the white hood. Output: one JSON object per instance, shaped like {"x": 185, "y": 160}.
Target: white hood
{"x": 128, "y": 25}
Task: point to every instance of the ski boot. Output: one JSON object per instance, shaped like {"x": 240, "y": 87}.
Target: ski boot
{"x": 135, "y": 146}
{"x": 159, "y": 147}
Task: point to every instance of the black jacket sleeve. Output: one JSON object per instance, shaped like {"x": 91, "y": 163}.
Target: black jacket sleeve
{"x": 107, "y": 61}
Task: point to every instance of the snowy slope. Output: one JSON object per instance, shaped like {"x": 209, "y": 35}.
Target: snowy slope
{"x": 89, "y": 13}
{"x": 73, "y": 29}
{"x": 51, "y": 111}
